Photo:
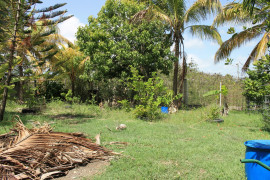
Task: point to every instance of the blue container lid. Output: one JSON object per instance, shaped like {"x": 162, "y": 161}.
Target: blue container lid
{"x": 165, "y": 109}
{"x": 258, "y": 144}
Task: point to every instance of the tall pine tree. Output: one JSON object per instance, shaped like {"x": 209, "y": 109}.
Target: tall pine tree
{"x": 20, "y": 22}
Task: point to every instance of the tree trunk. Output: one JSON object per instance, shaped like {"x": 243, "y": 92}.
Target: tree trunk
{"x": 182, "y": 77}
{"x": 21, "y": 84}
{"x": 72, "y": 88}
{"x": 10, "y": 63}
{"x": 176, "y": 66}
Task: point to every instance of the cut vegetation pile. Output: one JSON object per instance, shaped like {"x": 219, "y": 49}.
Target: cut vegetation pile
{"x": 40, "y": 153}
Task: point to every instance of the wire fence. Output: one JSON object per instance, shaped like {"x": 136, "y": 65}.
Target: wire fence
{"x": 202, "y": 83}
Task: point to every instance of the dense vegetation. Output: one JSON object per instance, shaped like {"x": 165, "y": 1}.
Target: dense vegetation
{"x": 126, "y": 34}
{"x": 28, "y": 43}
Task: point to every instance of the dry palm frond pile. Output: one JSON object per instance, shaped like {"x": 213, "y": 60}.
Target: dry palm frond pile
{"x": 40, "y": 153}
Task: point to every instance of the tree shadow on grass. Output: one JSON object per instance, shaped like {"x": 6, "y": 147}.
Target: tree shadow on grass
{"x": 72, "y": 118}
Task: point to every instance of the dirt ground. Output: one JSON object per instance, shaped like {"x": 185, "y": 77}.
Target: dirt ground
{"x": 86, "y": 172}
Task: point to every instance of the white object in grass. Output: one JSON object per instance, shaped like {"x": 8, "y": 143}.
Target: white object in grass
{"x": 121, "y": 127}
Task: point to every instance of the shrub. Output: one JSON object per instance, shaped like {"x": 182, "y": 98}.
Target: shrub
{"x": 69, "y": 98}
{"x": 149, "y": 95}
{"x": 212, "y": 112}
{"x": 52, "y": 90}
{"x": 257, "y": 84}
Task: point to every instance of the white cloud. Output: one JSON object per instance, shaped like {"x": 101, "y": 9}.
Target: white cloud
{"x": 202, "y": 64}
{"x": 194, "y": 42}
{"x": 69, "y": 27}
{"x": 208, "y": 65}
{"x": 251, "y": 43}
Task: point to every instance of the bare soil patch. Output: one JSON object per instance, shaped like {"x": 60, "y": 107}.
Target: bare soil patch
{"x": 88, "y": 171}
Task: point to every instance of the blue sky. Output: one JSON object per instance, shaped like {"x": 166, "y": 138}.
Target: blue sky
{"x": 200, "y": 51}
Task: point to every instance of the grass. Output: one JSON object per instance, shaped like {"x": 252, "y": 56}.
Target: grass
{"x": 181, "y": 146}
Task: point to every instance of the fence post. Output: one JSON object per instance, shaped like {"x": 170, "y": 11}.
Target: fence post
{"x": 220, "y": 95}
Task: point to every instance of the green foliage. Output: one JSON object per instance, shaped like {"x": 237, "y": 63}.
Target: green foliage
{"x": 92, "y": 101}
{"x": 125, "y": 105}
{"x": 149, "y": 95}
{"x": 25, "y": 36}
{"x": 70, "y": 99}
{"x": 223, "y": 91}
{"x": 113, "y": 43}
{"x": 241, "y": 12}
{"x": 52, "y": 90}
{"x": 210, "y": 93}
{"x": 257, "y": 85}
{"x": 266, "y": 118}
{"x": 69, "y": 65}
{"x": 212, "y": 112}
{"x": 228, "y": 61}
{"x": 231, "y": 30}
{"x": 34, "y": 102}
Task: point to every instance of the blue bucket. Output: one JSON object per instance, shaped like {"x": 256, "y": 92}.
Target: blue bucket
{"x": 165, "y": 110}
{"x": 259, "y": 150}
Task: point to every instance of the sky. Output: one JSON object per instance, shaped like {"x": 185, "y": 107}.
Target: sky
{"x": 201, "y": 52}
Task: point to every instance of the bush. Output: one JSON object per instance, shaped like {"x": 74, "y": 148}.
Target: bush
{"x": 212, "y": 112}
{"x": 257, "y": 84}
{"x": 52, "y": 90}
{"x": 69, "y": 98}
{"x": 149, "y": 95}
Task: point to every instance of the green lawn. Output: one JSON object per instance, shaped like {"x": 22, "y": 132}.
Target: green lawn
{"x": 181, "y": 146}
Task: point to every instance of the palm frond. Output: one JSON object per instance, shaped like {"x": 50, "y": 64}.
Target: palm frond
{"x": 200, "y": 9}
{"x": 234, "y": 13}
{"x": 151, "y": 13}
{"x": 176, "y": 9}
{"x": 249, "y": 5}
{"x": 237, "y": 40}
{"x": 206, "y": 32}
{"x": 258, "y": 51}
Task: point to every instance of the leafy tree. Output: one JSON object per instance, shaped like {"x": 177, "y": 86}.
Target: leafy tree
{"x": 149, "y": 95}
{"x": 177, "y": 16}
{"x": 257, "y": 85}
{"x": 241, "y": 14}
{"x": 16, "y": 13}
{"x": 37, "y": 54}
{"x": 113, "y": 43}
{"x": 70, "y": 63}
{"x": 18, "y": 27}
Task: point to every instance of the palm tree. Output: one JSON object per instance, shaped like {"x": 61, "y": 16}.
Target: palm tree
{"x": 175, "y": 14}
{"x": 69, "y": 63}
{"x": 239, "y": 14}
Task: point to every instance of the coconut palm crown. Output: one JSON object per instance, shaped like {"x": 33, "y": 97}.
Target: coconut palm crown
{"x": 238, "y": 14}
{"x": 180, "y": 19}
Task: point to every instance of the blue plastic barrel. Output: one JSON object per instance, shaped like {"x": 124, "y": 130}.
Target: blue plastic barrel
{"x": 260, "y": 150}
{"x": 165, "y": 110}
